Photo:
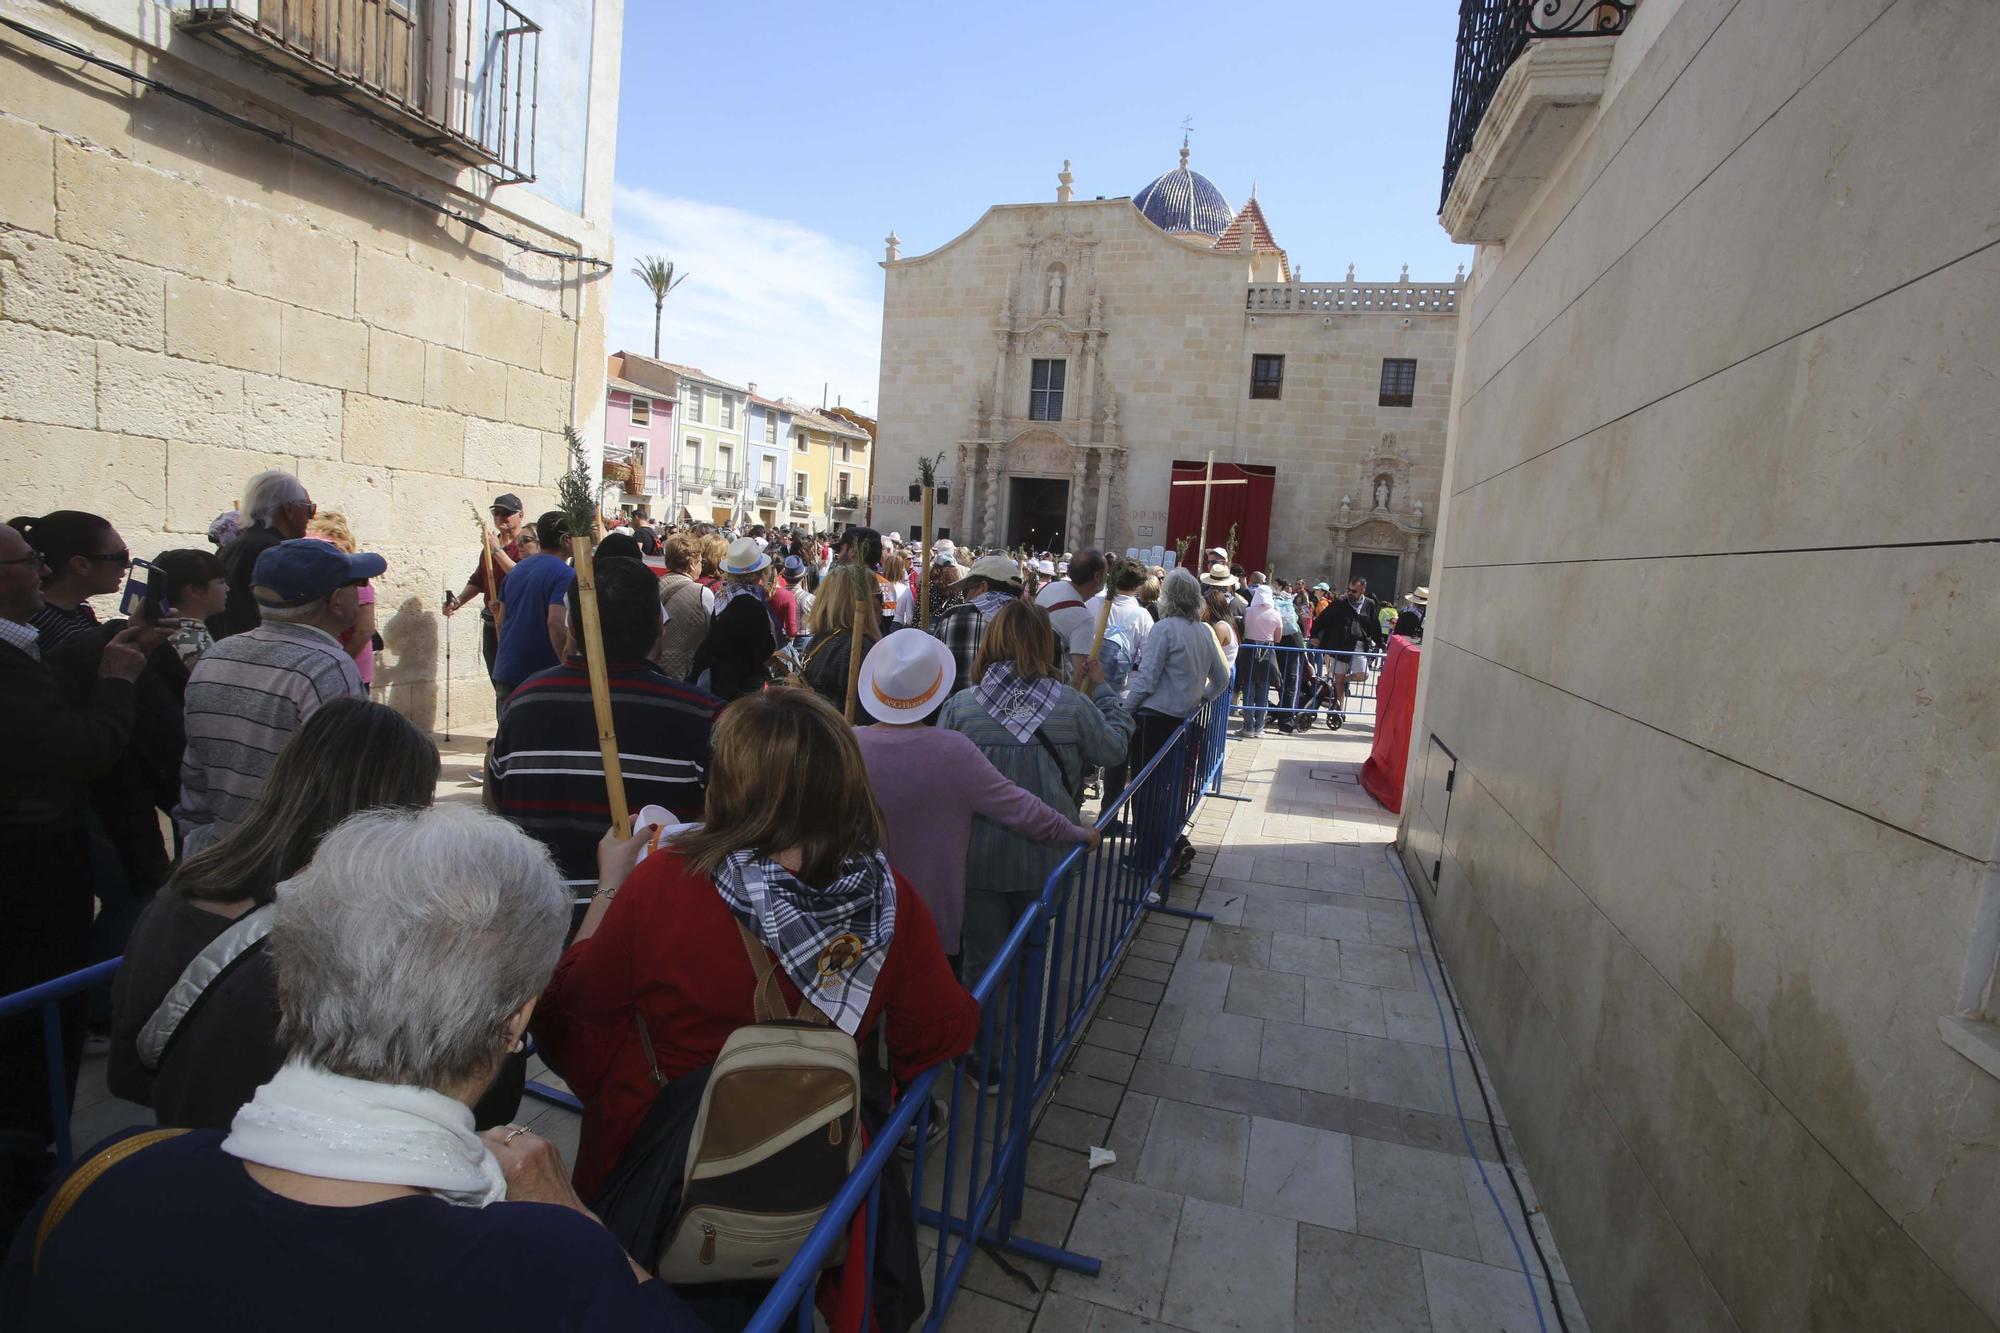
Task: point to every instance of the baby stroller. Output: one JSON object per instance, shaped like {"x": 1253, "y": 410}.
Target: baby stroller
{"x": 1315, "y": 693}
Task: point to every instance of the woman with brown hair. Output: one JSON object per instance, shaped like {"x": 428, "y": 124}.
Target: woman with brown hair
{"x": 791, "y": 855}
{"x": 842, "y": 595}
{"x": 350, "y": 755}
{"x": 1043, "y": 736}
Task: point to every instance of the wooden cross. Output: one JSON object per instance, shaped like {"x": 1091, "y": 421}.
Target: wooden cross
{"x": 1207, "y": 484}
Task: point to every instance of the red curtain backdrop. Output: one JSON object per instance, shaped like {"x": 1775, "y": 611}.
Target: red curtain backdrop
{"x": 1248, "y": 507}
{"x": 1395, "y": 709}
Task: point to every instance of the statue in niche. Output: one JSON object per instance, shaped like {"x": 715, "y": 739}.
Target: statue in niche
{"x": 1096, "y": 309}
{"x": 1418, "y": 510}
{"x": 1383, "y": 488}
{"x": 1346, "y": 505}
{"x": 1006, "y": 307}
{"x": 1055, "y": 304}
{"x": 1111, "y": 412}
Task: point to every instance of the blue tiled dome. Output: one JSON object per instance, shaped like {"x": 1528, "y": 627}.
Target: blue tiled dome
{"x": 1184, "y": 200}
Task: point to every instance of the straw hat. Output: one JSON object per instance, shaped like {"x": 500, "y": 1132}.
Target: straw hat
{"x": 1218, "y": 576}
{"x": 746, "y": 556}
{"x": 1421, "y": 597}
{"x": 995, "y": 569}
{"x": 904, "y": 677}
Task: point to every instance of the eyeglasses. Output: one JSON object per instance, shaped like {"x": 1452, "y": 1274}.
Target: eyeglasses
{"x": 121, "y": 558}
{"x": 31, "y": 558}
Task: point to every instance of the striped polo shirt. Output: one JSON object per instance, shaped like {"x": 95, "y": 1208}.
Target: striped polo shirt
{"x": 547, "y": 776}
{"x": 245, "y": 698}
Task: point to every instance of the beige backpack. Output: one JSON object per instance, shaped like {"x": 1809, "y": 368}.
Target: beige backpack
{"x": 777, "y": 1133}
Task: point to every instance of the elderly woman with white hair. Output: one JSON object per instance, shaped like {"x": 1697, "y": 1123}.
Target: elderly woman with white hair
{"x": 1182, "y": 668}
{"x": 277, "y": 508}
{"x": 352, "y": 1190}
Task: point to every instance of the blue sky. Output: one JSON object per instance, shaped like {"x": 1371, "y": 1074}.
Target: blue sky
{"x": 767, "y": 148}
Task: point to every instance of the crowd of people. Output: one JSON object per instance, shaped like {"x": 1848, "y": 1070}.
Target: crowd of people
{"x": 858, "y": 762}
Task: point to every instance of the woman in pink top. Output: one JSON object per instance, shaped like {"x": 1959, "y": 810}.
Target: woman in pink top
{"x": 930, "y": 782}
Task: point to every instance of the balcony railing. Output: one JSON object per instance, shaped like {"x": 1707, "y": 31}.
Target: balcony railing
{"x": 460, "y": 77}
{"x": 798, "y": 504}
{"x": 1352, "y": 298}
{"x": 848, "y": 502}
{"x": 1491, "y": 36}
{"x": 770, "y": 492}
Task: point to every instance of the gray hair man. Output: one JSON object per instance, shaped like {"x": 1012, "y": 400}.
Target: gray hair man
{"x": 249, "y": 693}
{"x": 278, "y": 508}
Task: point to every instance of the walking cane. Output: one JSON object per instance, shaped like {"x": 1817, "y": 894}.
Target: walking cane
{"x": 447, "y": 665}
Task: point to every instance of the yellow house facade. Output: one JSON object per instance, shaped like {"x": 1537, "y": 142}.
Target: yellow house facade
{"x": 830, "y": 470}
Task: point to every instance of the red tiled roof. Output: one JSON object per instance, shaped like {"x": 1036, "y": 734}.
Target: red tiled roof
{"x": 1261, "y": 241}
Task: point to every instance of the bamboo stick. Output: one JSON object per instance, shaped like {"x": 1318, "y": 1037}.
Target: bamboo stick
{"x": 600, "y": 685}
{"x": 864, "y": 606}
{"x": 486, "y": 559}
{"x": 1103, "y": 617}
{"x": 924, "y": 574}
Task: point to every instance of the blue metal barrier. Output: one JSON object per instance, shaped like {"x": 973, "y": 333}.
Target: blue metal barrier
{"x": 1304, "y": 680}
{"x": 48, "y": 997}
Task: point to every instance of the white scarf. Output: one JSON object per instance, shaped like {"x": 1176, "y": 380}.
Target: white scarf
{"x": 320, "y": 1124}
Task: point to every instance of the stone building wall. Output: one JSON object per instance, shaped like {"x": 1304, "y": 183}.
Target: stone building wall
{"x": 1714, "y": 645}
{"x": 1171, "y": 344}
{"x": 184, "y": 304}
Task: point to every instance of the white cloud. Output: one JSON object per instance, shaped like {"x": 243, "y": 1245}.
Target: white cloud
{"x": 766, "y": 300}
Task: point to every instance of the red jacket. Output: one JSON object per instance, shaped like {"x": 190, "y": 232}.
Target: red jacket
{"x": 668, "y": 946}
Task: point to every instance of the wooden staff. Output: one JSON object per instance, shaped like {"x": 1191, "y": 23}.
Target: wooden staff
{"x": 600, "y": 685}
{"x": 864, "y": 606}
{"x": 486, "y": 560}
{"x": 1103, "y": 618}
{"x": 924, "y": 574}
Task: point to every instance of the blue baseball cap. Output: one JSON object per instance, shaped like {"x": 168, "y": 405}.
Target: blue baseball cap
{"x": 304, "y": 570}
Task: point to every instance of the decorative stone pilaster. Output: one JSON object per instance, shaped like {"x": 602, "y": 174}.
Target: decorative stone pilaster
{"x": 1079, "y": 466}
{"x": 989, "y": 528}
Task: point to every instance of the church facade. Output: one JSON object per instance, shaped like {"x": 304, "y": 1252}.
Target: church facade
{"x": 1077, "y": 363}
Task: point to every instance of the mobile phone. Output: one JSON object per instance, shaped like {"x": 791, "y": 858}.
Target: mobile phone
{"x": 138, "y": 586}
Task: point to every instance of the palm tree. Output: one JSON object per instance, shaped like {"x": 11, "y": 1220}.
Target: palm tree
{"x": 658, "y": 274}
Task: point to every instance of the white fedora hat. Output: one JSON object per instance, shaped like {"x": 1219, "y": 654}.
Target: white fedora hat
{"x": 904, "y": 677}
{"x": 746, "y": 556}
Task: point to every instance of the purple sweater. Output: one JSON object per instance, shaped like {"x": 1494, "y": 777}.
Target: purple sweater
{"x": 930, "y": 783}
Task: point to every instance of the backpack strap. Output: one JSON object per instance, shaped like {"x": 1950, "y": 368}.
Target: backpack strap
{"x": 237, "y": 942}
{"x": 769, "y": 1002}
{"x": 85, "y": 1175}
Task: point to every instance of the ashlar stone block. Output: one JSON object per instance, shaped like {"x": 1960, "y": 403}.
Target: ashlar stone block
{"x": 27, "y": 176}
{"x": 504, "y": 329}
{"x": 322, "y": 349}
{"x": 110, "y": 204}
{"x": 462, "y": 383}
{"x": 501, "y": 451}
{"x": 395, "y": 366}
{"x": 291, "y": 417}
{"x": 385, "y": 433}
{"x": 393, "y": 293}
{"x": 46, "y": 377}
{"x": 71, "y": 289}
{"x": 540, "y": 401}
{"x": 209, "y": 322}
{"x": 145, "y": 393}
{"x": 48, "y": 467}
{"x": 283, "y": 258}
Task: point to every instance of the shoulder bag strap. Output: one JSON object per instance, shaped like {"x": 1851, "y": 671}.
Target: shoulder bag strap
{"x": 646, "y": 1045}
{"x": 239, "y": 941}
{"x": 1062, "y": 769}
{"x": 770, "y": 997}
{"x": 85, "y": 1175}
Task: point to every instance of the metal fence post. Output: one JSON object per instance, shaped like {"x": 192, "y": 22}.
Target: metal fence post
{"x": 1029, "y": 979}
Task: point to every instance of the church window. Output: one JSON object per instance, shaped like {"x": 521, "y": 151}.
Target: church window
{"x": 1399, "y": 381}
{"x": 1045, "y": 392}
{"x": 1267, "y": 376}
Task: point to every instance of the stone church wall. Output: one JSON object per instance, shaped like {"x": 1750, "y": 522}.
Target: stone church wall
{"x": 1173, "y": 349}
{"x": 183, "y": 305}
{"x": 1714, "y": 644}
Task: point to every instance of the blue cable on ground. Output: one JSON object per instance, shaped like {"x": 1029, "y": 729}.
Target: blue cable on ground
{"x": 1451, "y": 1073}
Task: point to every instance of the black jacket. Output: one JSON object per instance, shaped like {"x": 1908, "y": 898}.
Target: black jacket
{"x": 740, "y": 641}
{"x": 55, "y": 747}
{"x": 1341, "y": 628}
{"x": 239, "y": 562}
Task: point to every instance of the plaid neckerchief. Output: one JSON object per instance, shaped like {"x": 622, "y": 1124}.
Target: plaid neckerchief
{"x": 990, "y": 602}
{"x": 798, "y": 923}
{"x": 1021, "y": 706}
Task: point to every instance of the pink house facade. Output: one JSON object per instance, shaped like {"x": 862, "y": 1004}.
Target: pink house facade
{"x": 640, "y": 395}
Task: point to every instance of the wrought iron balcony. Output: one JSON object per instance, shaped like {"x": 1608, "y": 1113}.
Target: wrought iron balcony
{"x": 798, "y": 504}
{"x": 848, "y": 502}
{"x": 726, "y": 483}
{"x": 459, "y": 77}
{"x": 770, "y": 492}
{"x": 1491, "y": 36}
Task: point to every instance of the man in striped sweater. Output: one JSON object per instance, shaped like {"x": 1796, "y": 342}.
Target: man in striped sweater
{"x": 249, "y": 693}
{"x": 547, "y": 774}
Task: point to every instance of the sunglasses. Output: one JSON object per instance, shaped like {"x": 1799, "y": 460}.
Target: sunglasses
{"x": 121, "y": 558}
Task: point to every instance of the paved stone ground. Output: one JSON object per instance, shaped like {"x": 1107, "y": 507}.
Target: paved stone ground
{"x": 1274, "y": 1084}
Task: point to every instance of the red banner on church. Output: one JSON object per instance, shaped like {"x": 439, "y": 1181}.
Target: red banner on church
{"x": 1244, "y": 500}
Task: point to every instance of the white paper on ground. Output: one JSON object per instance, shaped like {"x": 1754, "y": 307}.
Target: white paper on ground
{"x": 1101, "y": 1157}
